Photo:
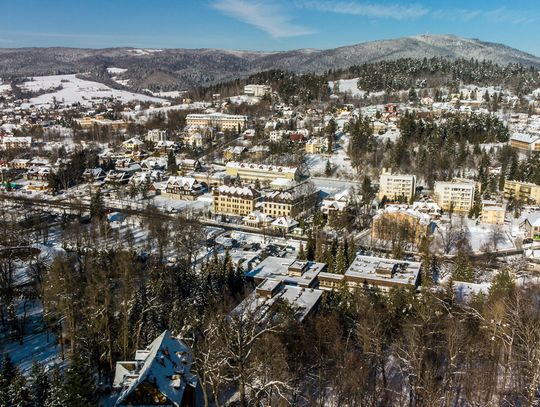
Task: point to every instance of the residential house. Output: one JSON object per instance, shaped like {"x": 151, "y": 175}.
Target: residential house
{"x": 160, "y": 375}
{"x": 184, "y": 188}
{"x": 522, "y": 191}
{"x": 291, "y": 203}
{"x": 261, "y": 172}
{"x": 457, "y": 195}
{"x": 396, "y": 186}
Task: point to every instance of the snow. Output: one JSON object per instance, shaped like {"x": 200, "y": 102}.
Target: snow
{"x": 169, "y": 94}
{"x": 348, "y": 86}
{"x": 239, "y": 99}
{"x": 145, "y": 51}
{"x": 76, "y": 90}
{"x": 116, "y": 70}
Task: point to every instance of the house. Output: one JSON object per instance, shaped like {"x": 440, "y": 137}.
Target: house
{"x": 197, "y": 140}
{"x": 284, "y": 224}
{"x": 397, "y": 186}
{"x": 531, "y": 225}
{"x": 133, "y": 143}
{"x": 164, "y": 146}
{"x": 232, "y": 200}
{"x": 38, "y": 174}
{"x": 189, "y": 164}
{"x": 117, "y": 177}
{"x": 159, "y": 375}
{"x": 257, "y": 219}
{"x": 233, "y": 153}
{"x": 336, "y": 203}
{"x": 316, "y": 145}
{"x": 13, "y": 142}
{"x": 19, "y": 163}
{"x": 184, "y": 188}
{"x": 258, "y": 152}
{"x": 457, "y": 195}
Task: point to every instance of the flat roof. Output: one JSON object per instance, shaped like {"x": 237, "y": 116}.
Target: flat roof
{"x": 277, "y": 268}
{"x": 370, "y": 268}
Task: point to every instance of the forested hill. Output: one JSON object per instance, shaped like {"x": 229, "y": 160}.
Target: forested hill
{"x": 180, "y": 69}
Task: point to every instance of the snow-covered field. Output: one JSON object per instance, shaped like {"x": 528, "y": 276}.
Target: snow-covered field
{"x": 168, "y": 94}
{"x": 339, "y": 160}
{"x": 75, "y": 90}
{"x": 347, "y": 86}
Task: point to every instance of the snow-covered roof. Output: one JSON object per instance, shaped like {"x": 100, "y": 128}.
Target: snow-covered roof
{"x": 231, "y": 190}
{"x": 524, "y": 138}
{"x": 184, "y": 182}
{"x": 165, "y": 363}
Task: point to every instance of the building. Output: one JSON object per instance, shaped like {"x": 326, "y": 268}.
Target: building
{"x": 183, "y": 188}
{"x": 400, "y": 223}
{"x": 12, "y": 142}
{"x": 230, "y": 200}
{"x": 371, "y": 272}
{"x": 261, "y": 172}
{"x": 218, "y": 120}
{"x": 531, "y": 225}
{"x": 525, "y": 142}
{"x": 234, "y": 153}
{"x": 300, "y": 273}
{"x": 263, "y": 302}
{"x": 394, "y": 187}
{"x": 493, "y": 213}
{"x": 133, "y": 143}
{"x": 457, "y": 195}
{"x": 291, "y": 203}
{"x": 257, "y": 90}
{"x": 316, "y": 145}
{"x": 337, "y": 203}
{"x": 257, "y": 219}
{"x": 156, "y": 135}
{"x": 159, "y": 375}
{"x": 523, "y": 191}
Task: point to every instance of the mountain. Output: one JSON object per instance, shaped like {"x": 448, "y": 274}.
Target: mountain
{"x": 169, "y": 69}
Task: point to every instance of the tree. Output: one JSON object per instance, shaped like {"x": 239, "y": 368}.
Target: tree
{"x": 18, "y": 393}
{"x": 38, "y": 385}
{"x": 57, "y": 395}
{"x": 328, "y": 169}
{"x": 172, "y": 167}
{"x": 79, "y": 384}
{"x": 97, "y": 207}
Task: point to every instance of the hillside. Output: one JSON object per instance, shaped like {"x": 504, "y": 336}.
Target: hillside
{"x": 176, "y": 69}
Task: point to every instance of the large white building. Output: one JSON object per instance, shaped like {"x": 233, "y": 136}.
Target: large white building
{"x": 457, "y": 194}
{"x": 396, "y": 186}
{"x": 218, "y": 120}
{"x": 156, "y": 135}
{"x": 257, "y": 90}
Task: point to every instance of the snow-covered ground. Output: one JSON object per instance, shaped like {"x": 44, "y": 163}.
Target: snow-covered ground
{"x": 347, "y": 86}
{"x": 250, "y": 100}
{"x": 144, "y": 51}
{"x": 339, "y": 160}
{"x": 76, "y": 90}
{"x": 168, "y": 94}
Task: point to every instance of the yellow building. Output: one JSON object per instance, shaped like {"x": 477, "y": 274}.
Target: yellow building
{"x": 401, "y": 224}
{"x": 230, "y": 200}
{"x": 525, "y": 142}
{"x": 291, "y": 203}
{"x": 523, "y": 191}
{"x": 316, "y": 145}
{"x": 261, "y": 172}
{"x": 218, "y": 120}
{"x": 493, "y": 213}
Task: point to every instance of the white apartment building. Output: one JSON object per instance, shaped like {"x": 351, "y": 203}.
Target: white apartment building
{"x": 395, "y": 186}
{"x": 457, "y": 194}
{"x": 156, "y": 135}
{"x": 257, "y": 90}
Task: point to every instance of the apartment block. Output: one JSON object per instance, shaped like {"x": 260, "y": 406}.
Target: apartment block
{"x": 523, "y": 191}
{"x": 456, "y": 194}
{"x": 396, "y": 186}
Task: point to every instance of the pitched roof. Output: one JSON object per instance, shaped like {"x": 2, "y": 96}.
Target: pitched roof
{"x": 166, "y": 363}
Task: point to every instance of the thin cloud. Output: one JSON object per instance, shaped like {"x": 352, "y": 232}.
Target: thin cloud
{"x": 497, "y": 16}
{"x": 267, "y": 17}
{"x": 388, "y": 11}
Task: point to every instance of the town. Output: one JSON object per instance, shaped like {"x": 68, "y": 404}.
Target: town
{"x": 368, "y": 235}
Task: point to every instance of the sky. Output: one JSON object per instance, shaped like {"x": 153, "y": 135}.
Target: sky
{"x": 261, "y": 24}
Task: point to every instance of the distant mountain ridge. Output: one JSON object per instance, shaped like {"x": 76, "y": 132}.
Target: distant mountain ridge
{"x": 169, "y": 69}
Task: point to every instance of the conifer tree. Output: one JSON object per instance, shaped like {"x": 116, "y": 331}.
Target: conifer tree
{"x": 79, "y": 383}
{"x": 310, "y": 248}
{"x": 57, "y": 395}
{"x": 18, "y": 393}
{"x": 341, "y": 260}
{"x": 38, "y": 385}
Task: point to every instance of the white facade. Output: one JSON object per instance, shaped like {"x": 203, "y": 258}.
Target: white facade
{"x": 156, "y": 135}
{"x": 457, "y": 194}
{"x": 394, "y": 186}
{"x": 257, "y": 90}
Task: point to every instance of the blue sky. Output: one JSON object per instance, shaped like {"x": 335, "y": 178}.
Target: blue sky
{"x": 261, "y": 24}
